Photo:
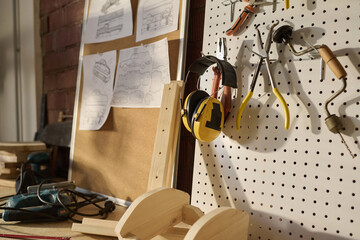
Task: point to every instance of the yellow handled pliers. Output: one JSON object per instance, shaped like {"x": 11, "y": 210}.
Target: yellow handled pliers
{"x": 264, "y": 56}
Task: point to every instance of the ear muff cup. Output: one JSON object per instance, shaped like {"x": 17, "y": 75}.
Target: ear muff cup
{"x": 190, "y": 104}
{"x": 207, "y": 119}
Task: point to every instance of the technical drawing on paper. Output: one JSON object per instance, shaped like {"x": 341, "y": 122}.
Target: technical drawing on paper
{"x": 142, "y": 72}
{"x": 95, "y": 108}
{"x": 108, "y": 4}
{"x": 99, "y": 71}
{"x": 110, "y": 24}
{"x": 156, "y": 17}
{"x": 108, "y": 21}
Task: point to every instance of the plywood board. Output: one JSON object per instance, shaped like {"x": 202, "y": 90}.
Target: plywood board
{"x": 116, "y": 159}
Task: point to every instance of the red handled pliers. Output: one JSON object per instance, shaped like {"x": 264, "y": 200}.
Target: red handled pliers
{"x": 245, "y": 15}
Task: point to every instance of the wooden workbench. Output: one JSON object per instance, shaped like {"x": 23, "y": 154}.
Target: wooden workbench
{"x": 53, "y": 229}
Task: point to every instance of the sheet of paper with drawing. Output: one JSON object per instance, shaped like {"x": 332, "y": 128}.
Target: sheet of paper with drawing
{"x": 156, "y": 17}
{"x": 108, "y": 20}
{"x": 141, "y": 74}
{"x": 99, "y": 71}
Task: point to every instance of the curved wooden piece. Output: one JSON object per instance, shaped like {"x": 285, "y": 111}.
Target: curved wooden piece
{"x": 191, "y": 214}
{"x": 224, "y": 223}
{"x": 152, "y": 214}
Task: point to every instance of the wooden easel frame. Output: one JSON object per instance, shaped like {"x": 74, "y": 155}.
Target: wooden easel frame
{"x": 125, "y": 195}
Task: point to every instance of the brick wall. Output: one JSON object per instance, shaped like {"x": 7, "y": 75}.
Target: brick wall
{"x": 61, "y": 22}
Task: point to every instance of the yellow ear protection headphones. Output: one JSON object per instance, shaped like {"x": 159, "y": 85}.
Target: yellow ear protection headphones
{"x": 202, "y": 114}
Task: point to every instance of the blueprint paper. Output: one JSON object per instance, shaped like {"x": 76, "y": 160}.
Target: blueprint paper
{"x": 108, "y": 20}
{"x": 141, "y": 74}
{"x": 97, "y": 88}
{"x": 156, "y": 17}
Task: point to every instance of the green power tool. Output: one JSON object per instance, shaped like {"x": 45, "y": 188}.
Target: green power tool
{"x": 28, "y": 207}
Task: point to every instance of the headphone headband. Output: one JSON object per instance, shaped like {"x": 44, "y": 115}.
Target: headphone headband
{"x": 200, "y": 65}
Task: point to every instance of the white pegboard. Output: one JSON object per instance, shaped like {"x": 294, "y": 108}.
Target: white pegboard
{"x": 299, "y": 183}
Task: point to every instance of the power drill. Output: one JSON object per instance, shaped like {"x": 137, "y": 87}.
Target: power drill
{"x": 28, "y": 207}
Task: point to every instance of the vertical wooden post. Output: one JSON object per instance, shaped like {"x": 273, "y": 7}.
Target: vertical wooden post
{"x": 166, "y": 138}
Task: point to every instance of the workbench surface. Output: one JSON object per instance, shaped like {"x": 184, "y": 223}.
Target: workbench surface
{"x": 52, "y": 229}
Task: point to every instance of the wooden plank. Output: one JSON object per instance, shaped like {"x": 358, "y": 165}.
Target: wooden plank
{"x": 100, "y": 222}
{"x": 96, "y": 227}
{"x": 22, "y": 149}
{"x": 8, "y": 183}
{"x": 22, "y": 146}
{"x": 166, "y": 137}
{"x": 8, "y": 157}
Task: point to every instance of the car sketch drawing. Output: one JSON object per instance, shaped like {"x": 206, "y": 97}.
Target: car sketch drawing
{"x": 108, "y": 4}
{"x": 138, "y": 61}
{"x": 102, "y": 71}
{"x": 110, "y": 24}
{"x": 157, "y": 16}
{"x": 141, "y": 75}
{"x": 133, "y": 80}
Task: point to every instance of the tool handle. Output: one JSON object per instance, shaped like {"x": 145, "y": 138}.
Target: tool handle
{"x": 331, "y": 60}
{"x": 240, "y": 21}
{"x": 287, "y": 4}
{"x": 241, "y": 109}
{"x": 215, "y": 82}
{"x": 285, "y": 107}
{"x": 215, "y": 91}
{"x": 227, "y": 101}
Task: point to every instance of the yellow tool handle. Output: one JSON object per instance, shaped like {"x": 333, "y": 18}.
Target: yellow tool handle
{"x": 285, "y": 107}
{"x": 241, "y": 109}
{"x": 287, "y": 4}
{"x": 331, "y": 60}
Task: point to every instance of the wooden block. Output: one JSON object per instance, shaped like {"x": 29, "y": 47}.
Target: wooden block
{"x": 8, "y": 157}
{"x": 22, "y": 149}
{"x": 9, "y": 171}
{"x": 100, "y": 223}
{"x": 96, "y": 227}
{"x": 224, "y": 223}
{"x": 152, "y": 213}
{"x": 166, "y": 138}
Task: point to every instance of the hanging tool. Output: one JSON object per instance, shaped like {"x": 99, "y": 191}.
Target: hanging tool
{"x": 221, "y": 53}
{"x": 283, "y": 35}
{"x": 232, "y": 7}
{"x": 287, "y": 4}
{"x": 264, "y": 56}
{"x": 249, "y": 9}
